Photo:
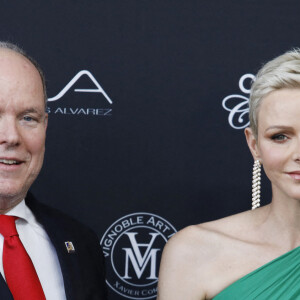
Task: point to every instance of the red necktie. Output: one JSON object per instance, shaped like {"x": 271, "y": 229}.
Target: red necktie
{"x": 19, "y": 271}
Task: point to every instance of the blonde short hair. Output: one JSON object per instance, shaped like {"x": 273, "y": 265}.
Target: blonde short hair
{"x": 279, "y": 73}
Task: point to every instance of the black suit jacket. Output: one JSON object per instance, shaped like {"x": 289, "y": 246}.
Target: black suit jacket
{"x": 83, "y": 270}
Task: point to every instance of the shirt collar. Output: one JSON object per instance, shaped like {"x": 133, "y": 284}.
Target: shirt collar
{"x": 22, "y": 211}
{"x": 26, "y": 216}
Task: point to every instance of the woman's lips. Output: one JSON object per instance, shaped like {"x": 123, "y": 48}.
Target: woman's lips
{"x": 295, "y": 175}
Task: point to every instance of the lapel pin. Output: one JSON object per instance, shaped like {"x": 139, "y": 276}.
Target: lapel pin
{"x": 70, "y": 247}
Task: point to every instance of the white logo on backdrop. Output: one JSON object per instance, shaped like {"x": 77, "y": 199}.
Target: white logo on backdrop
{"x": 238, "y": 105}
{"x": 139, "y": 261}
{"x": 132, "y": 247}
{"x": 98, "y": 89}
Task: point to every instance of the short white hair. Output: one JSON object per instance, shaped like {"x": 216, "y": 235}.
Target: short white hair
{"x": 279, "y": 73}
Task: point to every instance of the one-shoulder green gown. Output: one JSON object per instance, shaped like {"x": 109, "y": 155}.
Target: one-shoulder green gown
{"x": 278, "y": 279}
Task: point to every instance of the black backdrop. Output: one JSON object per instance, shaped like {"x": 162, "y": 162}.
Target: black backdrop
{"x": 164, "y": 147}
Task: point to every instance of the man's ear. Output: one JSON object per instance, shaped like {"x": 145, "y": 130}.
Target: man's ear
{"x": 252, "y": 143}
{"x": 46, "y": 121}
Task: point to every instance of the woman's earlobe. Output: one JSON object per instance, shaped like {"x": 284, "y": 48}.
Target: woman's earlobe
{"x": 252, "y": 143}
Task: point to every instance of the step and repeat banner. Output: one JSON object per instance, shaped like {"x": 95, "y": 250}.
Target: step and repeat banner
{"x": 147, "y": 104}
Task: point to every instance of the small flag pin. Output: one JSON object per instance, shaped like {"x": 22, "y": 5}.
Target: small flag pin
{"x": 70, "y": 247}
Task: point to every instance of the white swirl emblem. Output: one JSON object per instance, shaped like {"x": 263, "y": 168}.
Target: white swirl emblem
{"x": 238, "y": 105}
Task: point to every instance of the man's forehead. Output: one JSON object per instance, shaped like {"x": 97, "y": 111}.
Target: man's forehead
{"x": 13, "y": 59}
{"x": 19, "y": 79}
{"x": 14, "y": 64}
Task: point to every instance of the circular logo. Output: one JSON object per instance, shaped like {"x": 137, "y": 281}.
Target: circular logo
{"x": 132, "y": 248}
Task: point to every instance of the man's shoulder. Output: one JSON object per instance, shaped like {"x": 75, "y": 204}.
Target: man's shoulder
{"x": 49, "y": 216}
{"x": 65, "y": 232}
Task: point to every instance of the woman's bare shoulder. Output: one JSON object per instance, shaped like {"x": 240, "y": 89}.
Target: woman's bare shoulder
{"x": 178, "y": 274}
{"x": 203, "y": 238}
{"x": 191, "y": 257}
{"x": 232, "y": 226}
{"x": 185, "y": 243}
{"x": 207, "y": 234}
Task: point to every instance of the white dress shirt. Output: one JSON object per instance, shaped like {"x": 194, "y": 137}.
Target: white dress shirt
{"x": 41, "y": 251}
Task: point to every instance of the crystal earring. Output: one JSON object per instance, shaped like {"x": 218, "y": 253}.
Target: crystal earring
{"x": 256, "y": 184}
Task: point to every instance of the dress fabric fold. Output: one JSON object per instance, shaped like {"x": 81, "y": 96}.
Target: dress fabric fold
{"x": 278, "y": 279}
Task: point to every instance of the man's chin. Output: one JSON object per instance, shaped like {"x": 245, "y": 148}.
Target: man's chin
{"x": 9, "y": 199}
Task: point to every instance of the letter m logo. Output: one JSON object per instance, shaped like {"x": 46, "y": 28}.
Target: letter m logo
{"x": 139, "y": 261}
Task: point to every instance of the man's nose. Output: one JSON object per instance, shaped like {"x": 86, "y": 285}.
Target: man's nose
{"x": 9, "y": 132}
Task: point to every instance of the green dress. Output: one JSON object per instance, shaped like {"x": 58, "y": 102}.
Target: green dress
{"x": 278, "y": 279}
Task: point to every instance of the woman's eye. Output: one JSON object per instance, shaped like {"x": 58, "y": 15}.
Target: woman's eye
{"x": 279, "y": 137}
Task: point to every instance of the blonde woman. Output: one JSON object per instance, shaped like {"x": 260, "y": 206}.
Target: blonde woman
{"x": 254, "y": 254}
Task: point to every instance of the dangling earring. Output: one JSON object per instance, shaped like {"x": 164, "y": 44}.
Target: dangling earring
{"x": 256, "y": 184}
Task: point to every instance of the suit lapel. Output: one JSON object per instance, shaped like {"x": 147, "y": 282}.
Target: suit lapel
{"x": 4, "y": 290}
{"x": 58, "y": 237}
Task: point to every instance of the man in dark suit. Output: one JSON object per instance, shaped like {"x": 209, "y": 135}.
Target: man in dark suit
{"x": 44, "y": 254}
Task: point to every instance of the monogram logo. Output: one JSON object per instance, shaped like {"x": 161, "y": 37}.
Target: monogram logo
{"x": 132, "y": 247}
{"x": 238, "y": 105}
{"x": 139, "y": 261}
